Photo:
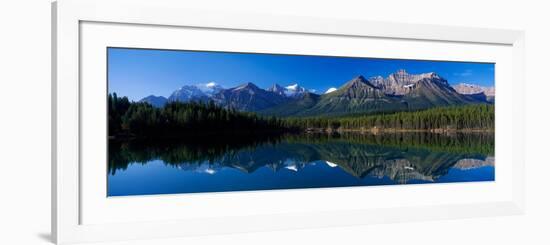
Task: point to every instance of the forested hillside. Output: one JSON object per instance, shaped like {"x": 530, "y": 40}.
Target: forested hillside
{"x": 480, "y": 116}
{"x": 176, "y": 119}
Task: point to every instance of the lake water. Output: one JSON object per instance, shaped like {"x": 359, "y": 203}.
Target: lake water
{"x": 219, "y": 164}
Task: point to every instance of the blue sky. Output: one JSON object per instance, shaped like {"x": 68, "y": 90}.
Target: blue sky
{"x": 137, "y": 73}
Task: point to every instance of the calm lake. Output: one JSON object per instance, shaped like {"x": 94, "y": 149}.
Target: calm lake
{"x": 218, "y": 164}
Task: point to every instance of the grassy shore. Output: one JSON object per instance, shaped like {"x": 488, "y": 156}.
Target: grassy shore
{"x": 376, "y": 130}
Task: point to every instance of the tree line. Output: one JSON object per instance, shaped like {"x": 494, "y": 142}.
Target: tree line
{"x": 473, "y": 117}
{"x": 176, "y": 119}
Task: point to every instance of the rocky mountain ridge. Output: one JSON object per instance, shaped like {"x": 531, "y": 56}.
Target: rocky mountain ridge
{"x": 292, "y": 90}
{"x": 399, "y": 91}
{"x": 401, "y": 82}
{"x": 466, "y": 88}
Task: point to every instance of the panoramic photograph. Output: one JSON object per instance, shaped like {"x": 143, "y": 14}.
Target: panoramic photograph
{"x": 184, "y": 121}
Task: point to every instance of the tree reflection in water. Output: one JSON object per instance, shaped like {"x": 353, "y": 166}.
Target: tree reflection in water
{"x": 401, "y": 157}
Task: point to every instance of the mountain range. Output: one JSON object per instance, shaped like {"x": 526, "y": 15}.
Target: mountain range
{"x": 400, "y": 91}
{"x": 292, "y": 90}
{"x": 248, "y": 97}
{"x": 476, "y": 91}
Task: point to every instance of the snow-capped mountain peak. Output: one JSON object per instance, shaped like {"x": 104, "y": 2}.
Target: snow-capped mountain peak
{"x": 291, "y": 90}
{"x": 278, "y": 89}
{"x": 186, "y": 93}
{"x": 293, "y": 87}
{"x": 330, "y": 90}
{"x": 209, "y": 88}
{"x": 294, "y": 90}
{"x": 212, "y": 85}
{"x": 248, "y": 86}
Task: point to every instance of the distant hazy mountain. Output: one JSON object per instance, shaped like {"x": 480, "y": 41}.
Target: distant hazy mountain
{"x": 188, "y": 93}
{"x": 248, "y": 97}
{"x": 465, "y": 88}
{"x": 156, "y": 101}
{"x": 476, "y": 91}
{"x": 292, "y": 90}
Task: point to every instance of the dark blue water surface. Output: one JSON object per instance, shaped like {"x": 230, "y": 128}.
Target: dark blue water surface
{"x": 296, "y": 161}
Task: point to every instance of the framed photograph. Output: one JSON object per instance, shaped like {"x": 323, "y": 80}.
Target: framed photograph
{"x": 170, "y": 122}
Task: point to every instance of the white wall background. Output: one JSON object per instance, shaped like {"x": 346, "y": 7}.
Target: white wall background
{"x": 25, "y": 121}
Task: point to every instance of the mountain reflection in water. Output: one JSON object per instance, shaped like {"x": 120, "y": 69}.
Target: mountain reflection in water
{"x": 210, "y": 164}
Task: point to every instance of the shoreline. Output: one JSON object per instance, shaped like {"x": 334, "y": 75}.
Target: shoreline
{"x": 396, "y": 130}
{"x": 314, "y": 131}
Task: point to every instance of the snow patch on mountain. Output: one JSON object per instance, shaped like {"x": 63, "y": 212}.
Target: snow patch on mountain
{"x": 292, "y": 87}
{"x": 330, "y": 90}
{"x": 210, "y": 88}
{"x": 187, "y": 93}
{"x": 292, "y": 90}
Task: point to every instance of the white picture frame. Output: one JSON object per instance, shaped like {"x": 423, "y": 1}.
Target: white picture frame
{"x": 68, "y": 16}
